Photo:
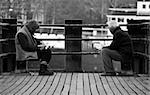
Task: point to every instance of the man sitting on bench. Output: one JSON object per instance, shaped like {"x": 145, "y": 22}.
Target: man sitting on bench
{"x": 120, "y": 49}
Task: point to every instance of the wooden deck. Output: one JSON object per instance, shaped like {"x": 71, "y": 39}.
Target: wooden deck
{"x": 73, "y": 84}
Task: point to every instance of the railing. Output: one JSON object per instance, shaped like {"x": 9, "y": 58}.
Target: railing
{"x": 74, "y": 39}
{"x": 84, "y": 27}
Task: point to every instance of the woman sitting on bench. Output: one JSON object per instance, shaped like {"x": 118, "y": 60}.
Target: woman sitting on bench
{"x": 27, "y": 47}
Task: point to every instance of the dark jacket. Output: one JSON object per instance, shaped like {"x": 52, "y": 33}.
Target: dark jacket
{"x": 123, "y": 44}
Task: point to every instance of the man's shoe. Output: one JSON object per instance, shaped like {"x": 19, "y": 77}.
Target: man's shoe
{"x": 126, "y": 73}
{"x": 109, "y": 74}
{"x": 46, "y": 72}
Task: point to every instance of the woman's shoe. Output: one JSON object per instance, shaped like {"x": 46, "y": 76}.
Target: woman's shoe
{"x": 44, "y": 70}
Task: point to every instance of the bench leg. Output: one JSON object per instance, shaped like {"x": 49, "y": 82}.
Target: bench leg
{"x": 116, "y": 65}
{"x": 27, "y": 69}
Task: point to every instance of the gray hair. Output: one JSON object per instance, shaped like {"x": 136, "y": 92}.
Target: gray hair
{"x": 32, "y": 24}
{"x": 112, "y": 24}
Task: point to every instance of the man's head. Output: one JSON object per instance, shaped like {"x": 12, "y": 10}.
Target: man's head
{"x": 112, "y": 25}
{"x": 32, "y": 26}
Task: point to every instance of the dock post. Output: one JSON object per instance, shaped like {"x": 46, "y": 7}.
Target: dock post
{"x": 1, "y": 65}
{"x": 73, "y": 62}
{"x": 8, "y": 32}
{"x": 148, "y": 34}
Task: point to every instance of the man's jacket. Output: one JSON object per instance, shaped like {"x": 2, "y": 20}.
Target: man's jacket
{"x": 123, "y": 44}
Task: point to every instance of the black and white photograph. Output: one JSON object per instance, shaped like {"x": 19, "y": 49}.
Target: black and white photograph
{"x": 74, "y": 47}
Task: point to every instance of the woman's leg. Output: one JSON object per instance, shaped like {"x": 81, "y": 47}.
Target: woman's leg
{"x": 44, "y": 55}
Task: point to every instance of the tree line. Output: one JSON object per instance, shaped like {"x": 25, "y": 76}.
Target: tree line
{"x": 56, "y": 11}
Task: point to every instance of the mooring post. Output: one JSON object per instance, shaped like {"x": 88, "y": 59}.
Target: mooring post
{"x": 73, "y": 62}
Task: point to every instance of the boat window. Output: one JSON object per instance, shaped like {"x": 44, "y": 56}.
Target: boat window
{"x": 120, "y": 19}
{"x": 113, "y": 18}
{"x": 144, "y": 6}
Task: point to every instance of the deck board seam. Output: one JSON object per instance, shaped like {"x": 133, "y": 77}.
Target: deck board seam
{"x": 67, "y": 84}
{"x": 34, "y": 91}
{"x": 143, "y": 84}
{"x": 42, "y": 86}
{"x": 113, "y": 86}
{"x": 33, "y": 86}
{"x": 23, "y": 84}
{"x": 11, "y": 83}
{"x": 133, "y": 81}
{"x": 15, "y": 86}
{"x": 61, "y": 84}
{"x": 119, "y": 86}
{"x": 131, "y": 85}
{"x": 102, "y": 86}
{"x": 48, "y": 85}
{"x": 128, "y": 88}
{"x": 54, "y": 85}
{"x": 26, "y": 87}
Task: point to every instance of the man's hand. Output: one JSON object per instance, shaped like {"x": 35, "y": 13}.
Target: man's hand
{"x": 41, "y": 46}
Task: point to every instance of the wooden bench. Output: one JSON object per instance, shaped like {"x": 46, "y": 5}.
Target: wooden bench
{"x": 1, "y": 59}
{"x": 117, "y": 64}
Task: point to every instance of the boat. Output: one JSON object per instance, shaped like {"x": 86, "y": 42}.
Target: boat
{"x": 122, "y": 15}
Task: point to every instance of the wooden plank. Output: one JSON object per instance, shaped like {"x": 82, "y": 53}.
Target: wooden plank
{"x": 3, "y": 78}
{"x": 16, "y": 84}
{"x": 138, "y": 85}
{"x": 106, "y": 86}
{"x": 133, "y": 87}
{"x": 93, "y": 84}
{"x": 74, "y": 84}
{"x": 99, "y": 84}
{"x": 40, "y": 86}
{"x": 60, "y": 85}
{"x": 47, "y": 85}
{"x": 73, "y": 88}
{"x": 113, "y": 86}
{"x": 27, "y": 86}
{"x": 21, "y": 85}
{"x": 52, "y": 89}
{"x": 149, "y": 51}
{"x": 119, "y": 86}
{"x": 86, "y": 84}
{"x": 145, "y": 82}
{"x": 126, "y": 86}
{"x": 33, "y": 86}
{"x": 80, "y": 84}
{"x": 67, "y": 84}
{"x": 7, "y": 84}
{"x": 8, "y": 79}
